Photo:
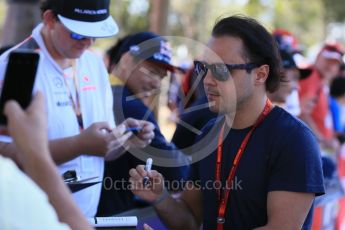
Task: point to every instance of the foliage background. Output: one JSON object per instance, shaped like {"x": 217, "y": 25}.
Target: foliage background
{"x": 311, "y": 21}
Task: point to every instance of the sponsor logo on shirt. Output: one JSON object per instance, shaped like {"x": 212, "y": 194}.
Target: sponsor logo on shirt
{"x": 63, "y": 103}
{"x": 87, "y": 84}
{"x": 58, "y": 82}
{"x": 89, "y": 88}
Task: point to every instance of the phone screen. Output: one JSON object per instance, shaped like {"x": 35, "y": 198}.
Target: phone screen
{"x": 19, "y": 79}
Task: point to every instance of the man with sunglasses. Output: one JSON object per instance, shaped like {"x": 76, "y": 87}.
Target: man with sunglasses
{"x": 264, "y": 169}
{"x": 79, "y": 99}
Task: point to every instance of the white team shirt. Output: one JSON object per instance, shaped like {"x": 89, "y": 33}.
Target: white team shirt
{"x": 96, "y": 102}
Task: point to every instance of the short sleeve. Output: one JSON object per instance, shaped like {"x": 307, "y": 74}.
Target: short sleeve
{"x": 109, "y": 106}
{"x": 296, "y": 166}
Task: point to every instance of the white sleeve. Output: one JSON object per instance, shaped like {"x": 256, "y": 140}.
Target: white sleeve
{"x": 109, "y": 106}
{"x": 23, "y": 205}
{"x": 108, "y": 100}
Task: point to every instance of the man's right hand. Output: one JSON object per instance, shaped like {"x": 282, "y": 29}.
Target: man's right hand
{"x": 153, "y": 191}
{"x": 99, "y": 139}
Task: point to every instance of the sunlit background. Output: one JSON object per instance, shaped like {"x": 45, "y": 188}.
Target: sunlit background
{"x": 311, "y": 21}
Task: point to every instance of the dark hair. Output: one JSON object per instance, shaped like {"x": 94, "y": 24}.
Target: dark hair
{"x": 259, "y": 45}
{"x": 114, "y": 53}
{"x": 52, "y": 5}
{"x": 338, "y": 87}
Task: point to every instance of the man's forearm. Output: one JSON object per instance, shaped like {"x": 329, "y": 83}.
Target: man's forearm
{"x": 64, "y": 149}
{"x": 176, "y": 208}
{"x": 45, "y": 174}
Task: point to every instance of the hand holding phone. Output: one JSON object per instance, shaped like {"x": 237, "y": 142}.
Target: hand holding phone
{"x": 19, "y": 79}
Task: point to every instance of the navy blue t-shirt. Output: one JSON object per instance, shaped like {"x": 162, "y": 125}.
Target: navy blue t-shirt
{"x": 282, "y": 155}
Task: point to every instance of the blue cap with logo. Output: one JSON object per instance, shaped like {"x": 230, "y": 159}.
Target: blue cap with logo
{"x": 149, "y": 46}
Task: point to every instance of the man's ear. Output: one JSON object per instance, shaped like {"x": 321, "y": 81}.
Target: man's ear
{"x": 261, "y": 74}
{"x": 49, "y": 18}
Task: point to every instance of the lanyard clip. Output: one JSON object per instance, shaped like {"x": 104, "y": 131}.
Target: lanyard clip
{"x": 220, "y": 220}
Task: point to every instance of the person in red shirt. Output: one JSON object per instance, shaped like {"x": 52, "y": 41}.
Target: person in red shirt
{"x": 314, "y": 94}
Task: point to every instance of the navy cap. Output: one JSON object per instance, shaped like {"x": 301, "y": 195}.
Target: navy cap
{"x": 149, "y": 46}
{"x": 287, "y": 60}
{"x": 289, "y": 63}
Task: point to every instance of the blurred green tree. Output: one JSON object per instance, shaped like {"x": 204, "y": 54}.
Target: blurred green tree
{"x": 302, "y": 18}
{"x": 334, "y": 10}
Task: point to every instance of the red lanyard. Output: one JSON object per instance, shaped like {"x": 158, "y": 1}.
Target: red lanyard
{"x": 224, "y": 197}
{"x": 76, "y": 103}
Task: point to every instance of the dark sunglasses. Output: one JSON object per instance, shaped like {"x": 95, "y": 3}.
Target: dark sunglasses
{"x": 79, "y": 37}
{"x": 220, "y": 71}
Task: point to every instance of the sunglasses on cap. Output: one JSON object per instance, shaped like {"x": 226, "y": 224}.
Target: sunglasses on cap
{"x": 79, "y": 37}
{"x": 220, "y": 71}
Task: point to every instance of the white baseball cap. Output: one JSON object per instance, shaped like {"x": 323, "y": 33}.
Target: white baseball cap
{"x": 90, "y": 18}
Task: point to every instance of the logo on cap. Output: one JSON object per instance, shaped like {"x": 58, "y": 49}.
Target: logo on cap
{"x": 91, "y": 12}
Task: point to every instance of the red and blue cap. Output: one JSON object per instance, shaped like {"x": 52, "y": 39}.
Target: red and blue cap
{"x": 290, "y": 52}
{"x": 149, "y": 46}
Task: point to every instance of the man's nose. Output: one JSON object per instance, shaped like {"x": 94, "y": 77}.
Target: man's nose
{"x": 209, "y": 79}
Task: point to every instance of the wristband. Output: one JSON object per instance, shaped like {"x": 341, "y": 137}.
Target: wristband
{"x": 161, "y": 198}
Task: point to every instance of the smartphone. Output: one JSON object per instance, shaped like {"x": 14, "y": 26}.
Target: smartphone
{"x": 19, "y": 79}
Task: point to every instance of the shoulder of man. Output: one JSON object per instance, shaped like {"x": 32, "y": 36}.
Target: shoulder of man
{"x": 290, "y": 122}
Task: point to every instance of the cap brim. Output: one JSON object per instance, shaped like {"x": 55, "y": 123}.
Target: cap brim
{"x": 169, "y": 67}
{"x": 332, "y": 55}
{"x": 105, "y": 28}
